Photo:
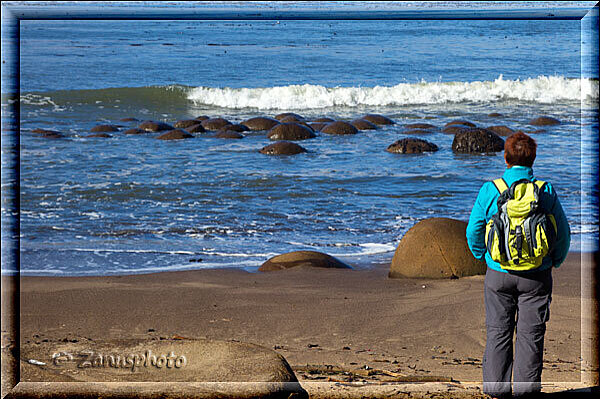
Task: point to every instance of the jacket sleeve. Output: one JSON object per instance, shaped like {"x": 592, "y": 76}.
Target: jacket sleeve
{"x": 563, "y": 234}
{"x": 476, "y": 226}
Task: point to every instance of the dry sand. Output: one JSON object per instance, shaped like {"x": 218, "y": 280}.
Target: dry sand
{"x": 331, "y": 325}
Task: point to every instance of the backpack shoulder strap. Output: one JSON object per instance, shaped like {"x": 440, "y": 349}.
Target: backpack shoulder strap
{"x": 539, "y": 184}
{"x": 501, "y": 185}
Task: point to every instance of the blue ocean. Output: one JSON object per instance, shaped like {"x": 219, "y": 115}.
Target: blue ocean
{"x": 134, "y": 204}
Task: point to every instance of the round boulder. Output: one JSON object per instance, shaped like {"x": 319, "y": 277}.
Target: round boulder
{"x": 378, "y": 119}
{"x": 290, "y": 131}
{"x": 129, "y": 120}
{"x": 501, "y": 130}
{"x": 302, "y": 258}
{"x": 453, "y": 129}
{"x": 294, "y": 117}
{"x": 420, "y": 126}
{"x": 544, "y": 121}
{"x": 324, "y": 120}
{"x": 198, "y": 128}
{"x": 135, "y": 130}
{"x": 339, "y": 127}
{"x": 260, "y": 123}
{"x": 104, "y": 129}
{"x": 362, "y": 124}
{"x": 495, "y": 115}
{"x": 282, "y": 148}
{"x": 184, "y": 124}
{"x": 435, "y": 248}
{"x": 417, "y": 131}
{"x": 49, "y": 134}
{"x": 460, "y": 122}
{"x": 476, "y": 140}
{"x": 234, "y": 128}
{"x": 214, "y": 123}
{"x": 100, "y": 135}
{"x": 201, "y": 118}
{"x": 228, "y": 134}
{"x": 154, "y": 126}
{"x": 412, "y": 145}
{"x": 175, "y": 134}
{"x": 317, "y": 126}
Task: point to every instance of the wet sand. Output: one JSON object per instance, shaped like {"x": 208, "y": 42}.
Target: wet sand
{"x": 331, "y": 325}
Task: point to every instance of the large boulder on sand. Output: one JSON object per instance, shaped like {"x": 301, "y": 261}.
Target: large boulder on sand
{"x": 178, "y": 359}
{"x": 154, "y": 126}
{"x": 260, "y": 123}
{"x": 339, "y": 127}
{"x": 435, "y": 248}
{"x": 544, "y": 121}
{"x": 378, "y": 119}
{"x": 282, "y": 148}
{"x": 290, "y": 131}
{"x": 477, "y": 140}
{"x": 411, "y": 145}
{"x": 302, "y": 258}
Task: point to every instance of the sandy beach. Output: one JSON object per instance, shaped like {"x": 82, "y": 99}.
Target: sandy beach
{"x": 330, "y": 324}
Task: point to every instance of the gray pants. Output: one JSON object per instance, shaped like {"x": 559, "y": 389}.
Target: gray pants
{"x": 521, "y": 301}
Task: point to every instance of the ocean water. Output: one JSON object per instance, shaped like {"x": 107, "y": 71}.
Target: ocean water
{"x": 134, "y": 204}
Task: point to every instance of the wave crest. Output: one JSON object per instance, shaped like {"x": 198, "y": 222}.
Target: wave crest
{"x": 543, "y": 89}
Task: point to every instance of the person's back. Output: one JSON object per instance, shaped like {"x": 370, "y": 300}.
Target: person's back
{"x": 512, "y": 298}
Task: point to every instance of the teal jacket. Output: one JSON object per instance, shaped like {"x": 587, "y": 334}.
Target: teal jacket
{"x": 485, "y": 206}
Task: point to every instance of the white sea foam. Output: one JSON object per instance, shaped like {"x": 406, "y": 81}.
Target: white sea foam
{"x": 543, "y": 89}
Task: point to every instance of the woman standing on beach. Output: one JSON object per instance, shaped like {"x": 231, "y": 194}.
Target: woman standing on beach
{"x": 518, "y": 299}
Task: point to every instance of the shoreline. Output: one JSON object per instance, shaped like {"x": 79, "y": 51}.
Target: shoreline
{"x": 351, "y": 320}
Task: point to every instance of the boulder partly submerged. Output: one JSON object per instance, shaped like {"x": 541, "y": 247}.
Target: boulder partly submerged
{"x": 378, "y": 119}
{"x": 501, "y": 130}
{"x": 460, "y": 122}
{"x": 290, "y": 131}
{"x": 214, "y": 123}
{"x": 544, "y": 121}
{"x": 412, "y": 145}
{"x": 282, "y": 148}
{"x": 260, "y": 123}
{"x": 339, "y": 127}
{"x": 175, "y": 134}
{"x": 435, "y": 248}
{"x": 420, "y": 126}
{"x": 477, "y": 140}
{"x": 104, "y": 129}
{"x": 302, "y": 258}
{"x": 363, "y": 124}
{"x": 154, "y": 126}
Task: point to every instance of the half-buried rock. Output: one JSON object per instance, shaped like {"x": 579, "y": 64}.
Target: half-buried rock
{"x": 290, "y": 131}
{"x": 282, "y": 148}
{"x": 501, "y": 130}
{"x": 50, "y": 134}
{"x": 214, "y": 123}
{"x": 175, "y": 134}
{"x": 154, "y": 126}
{"x": 476, "y": 140}
{"x": 435, "y": 248}
{"x": 234, "y": 128}
{"x": 378, "y": 119}
{"x": 104, "y": 129}
{"x": 145, "y": 360}
{"x": 453, "y": 129}
{"x": 460, "y": 122}
{"x": 135, "y": 130}
{"x": 362, "y": 124}
{"x": 420, "y": 126}
{"x": 339, "y": 127}
{"x": 196, "y": 128}
{"x": 228, "y": 134}
{"x": 302, "y": 258}
{"x": 544, "y": 121}
{"x": 100, "y": 135}
{"x": 186, "y": 123}
{"x": 290, "y": 115}
{"x": 411, "y": 145}
{"x": 260, "y": 123}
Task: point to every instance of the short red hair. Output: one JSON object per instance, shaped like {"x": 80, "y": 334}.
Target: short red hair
{"x": 519, "y": 149}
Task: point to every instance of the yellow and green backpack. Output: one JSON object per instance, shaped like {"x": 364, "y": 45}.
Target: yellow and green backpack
{"x": 521, "y": 233}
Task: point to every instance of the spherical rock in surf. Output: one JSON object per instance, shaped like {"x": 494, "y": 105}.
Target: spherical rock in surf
{"x": 99, "y": 135}
{"x": 282, "y": 148}
{"x": 418, "y": 131}
{"x": 175, "y": 134}
{"x": 460, "y": 122}
{"x": 435, "y": 248}
{"x": 196, "y": 129}
{"x": 294, "y": 117}
{"x": 135, "y": 130}
{"x": 378, "y": 119}
{"x": 324, "y": 119}
{"x": 412, "y": 145}
{"x": 544, "y": 121}
{"x": 420, "y": 126}
{"x": 290, "y": 131}
{"x": 129, "y": 120}
{"x": 477, "y": 140}
{"x": 302, "y": 258}
{"x": 495, "y": 115}
{"x": 228, "y": 134}
{"x": 104, "y": 129}
{"x": 201, "y": 118}
{"x": 317, "y": 126}
{"x": 260, "y": 123}
{"x": 453, "y": 129}
{"x": 214, "y": 123}
{"x": 339, "y": 127}
{"x": 362, "y": 124}
{"x": 501, "y": 130}
{"x": 184, "y": 124}
{"x": 154, "y": 126}
{"x": 49, "y": 134}
{"x": 234, "y": 128}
